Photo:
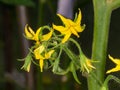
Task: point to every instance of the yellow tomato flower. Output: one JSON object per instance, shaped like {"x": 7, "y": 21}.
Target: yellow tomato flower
{"x": 38, "y": 51}
{"x": 30, "y": 34}
{"x": 71, "y": 27}
{"x": 38, "y": 55}
{"x": 117, "y": 62}
{"x": 86, "y": 64}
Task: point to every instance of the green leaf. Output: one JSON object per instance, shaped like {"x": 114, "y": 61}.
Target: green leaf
{"x": 73, "y": 70}
{"x": 18, "y": 2}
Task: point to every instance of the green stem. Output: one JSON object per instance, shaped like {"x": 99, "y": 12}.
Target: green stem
{"x": 114, "y": 4}
{"x": 40, "y": 13}
{"x": 39, "y": 83}
{"x": 72, "y": 56}
{"x": 77, "y": 44}
{"x": 102, "y": 15}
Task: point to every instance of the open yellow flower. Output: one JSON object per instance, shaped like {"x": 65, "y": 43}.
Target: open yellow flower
{"x": 38, "y": 37}
{"x": 71, "y": 27}
{"x": 38, "y": 55}
{"x": 117, "y": 62}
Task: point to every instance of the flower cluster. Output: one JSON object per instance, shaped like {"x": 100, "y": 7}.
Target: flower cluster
{"x": 39, "y": 51}
{"x": 49, "y": 45}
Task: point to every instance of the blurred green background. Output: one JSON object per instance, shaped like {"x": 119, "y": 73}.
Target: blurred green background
{"x": 15, "y": 14}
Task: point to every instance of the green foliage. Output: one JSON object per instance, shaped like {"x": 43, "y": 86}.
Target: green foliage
{"x": 109, "y": 77}
{"x": 18, "y": 2}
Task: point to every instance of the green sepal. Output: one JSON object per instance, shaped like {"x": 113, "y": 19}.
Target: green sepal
{"x": 27, "y": 62}
{"x": 73, "y": 70}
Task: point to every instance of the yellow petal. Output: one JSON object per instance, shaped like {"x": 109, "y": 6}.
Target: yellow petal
{"x": 41, "y": 63}
{"x": 116, "y": 61}
{"x": 71, "y": 23}
{"x": 66, "y": 37}
{"x": 86, "y": 64}
{"x": 78, "y": 28}
{"x": 41, "y": 57}
{"x": 48, "y": 55}
{"x": 74, "y": 31}
{"x": 59, "y": 28}
{"x": 29, "y": 32}
{"x": 78, "y": 21}
{"x": 117, "y": 68}
{"x": 38, "y": 51}
{"x": 85, "y": 67}
{"x": 36, "y": 37}
{"x": 89, "y": 64}
{"x": 47, "y": 36}
{"x": 64, "y": 20}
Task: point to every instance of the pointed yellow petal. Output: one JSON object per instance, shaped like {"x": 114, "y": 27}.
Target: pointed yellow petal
{"x": 48, "y": 55}
{"x": 89, "y": 64}
{"x": 59, "y": 28}
{"x": 78, "y": 28}
{"x": 86, "y": 64}
{"x": 29, "y": 32}
{"x": 47, "y": 36}
{"x": 36, "y": 37}
{"x": 64, "y": 20}
{"x": 74, "y": 32}
{"x": 111, "y": 58}
{"x": 78, "y": 21}
{"x": 71, "y": 23}
{"x": 66, "y": 37}
{"x": 41, "y": 57}
{"x": 85, "y": 67}
{"x": 117, "y": 68}
{"x": 41, "y": 63}
{"x": 116, "y": 61}
{"x": 38, "y": 51}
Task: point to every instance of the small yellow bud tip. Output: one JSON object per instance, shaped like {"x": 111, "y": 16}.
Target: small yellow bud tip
{"x": 107, "y": 72}
{"x": 41, "y": 70}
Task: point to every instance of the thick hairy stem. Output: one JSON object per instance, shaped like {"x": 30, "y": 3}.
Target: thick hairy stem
{"x": 102, "y": 15}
